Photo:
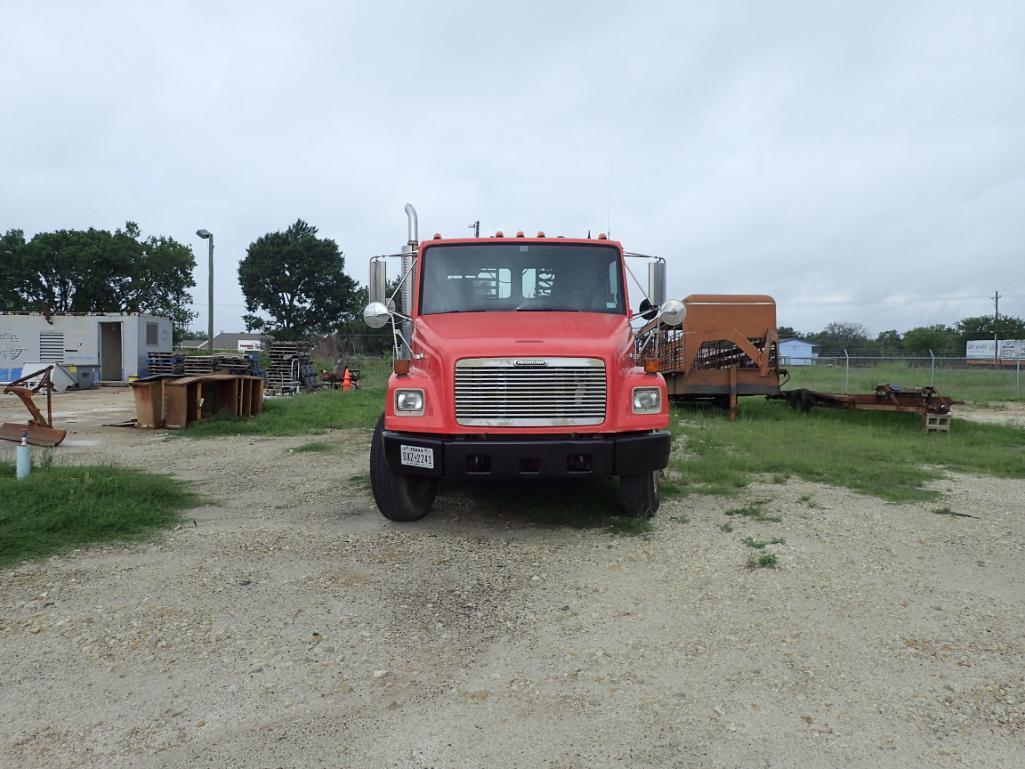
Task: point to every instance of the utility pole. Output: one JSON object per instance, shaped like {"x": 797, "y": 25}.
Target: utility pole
{"x": 209, "y": 237}
{"x": 996, "y": 322}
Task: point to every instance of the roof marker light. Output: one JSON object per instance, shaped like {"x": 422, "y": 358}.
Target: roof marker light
{"x": 540, "y": 233}
{"x": 602, "y": 236}
{"x": 499, "y": 234}
{"x": 519, "y": 233}
{"x": 437, "y": 236}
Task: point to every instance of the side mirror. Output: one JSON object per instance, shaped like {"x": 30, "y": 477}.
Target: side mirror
{"x": 672, "y": 312}
{"x": 377, "y": 289}
{"x": 647, "y": 310}
{"x": 657, "y": 282}
{"x": 376, "y": 314}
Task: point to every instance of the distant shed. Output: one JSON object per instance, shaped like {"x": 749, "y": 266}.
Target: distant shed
{"x": 116, "y": 342}
{"x": 797, "y": 352}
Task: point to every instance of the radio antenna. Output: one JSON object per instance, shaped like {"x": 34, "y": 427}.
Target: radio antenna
{"x": 609, "y": 228}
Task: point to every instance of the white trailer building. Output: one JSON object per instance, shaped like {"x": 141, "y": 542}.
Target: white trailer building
{"x": 1006, "y": 352}
{"x": 117, "y": 343}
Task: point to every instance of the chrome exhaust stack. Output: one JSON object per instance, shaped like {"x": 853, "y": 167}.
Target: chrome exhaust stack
{"x": 409, "y": 272}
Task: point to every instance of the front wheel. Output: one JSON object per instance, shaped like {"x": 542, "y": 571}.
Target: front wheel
{"x": 399, "y": 496}
{"x": 638, "y": 494}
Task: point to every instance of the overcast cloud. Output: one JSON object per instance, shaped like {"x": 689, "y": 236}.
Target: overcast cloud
{"x": 860, "y": 162}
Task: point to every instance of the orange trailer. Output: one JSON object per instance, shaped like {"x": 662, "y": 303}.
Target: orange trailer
{"x": 726, "y": 347}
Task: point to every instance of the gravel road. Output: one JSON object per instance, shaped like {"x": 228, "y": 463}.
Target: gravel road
{"x": 287, "y": 624}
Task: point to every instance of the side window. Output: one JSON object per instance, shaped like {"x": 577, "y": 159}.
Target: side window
{"x": 151, "y": 335}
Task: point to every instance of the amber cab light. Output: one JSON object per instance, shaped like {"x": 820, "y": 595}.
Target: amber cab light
{"x": 402, "y": 366}
{"x": 650, "y": 365}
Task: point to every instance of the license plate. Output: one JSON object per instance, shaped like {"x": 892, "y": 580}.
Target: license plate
{"x": 416, "y": 456}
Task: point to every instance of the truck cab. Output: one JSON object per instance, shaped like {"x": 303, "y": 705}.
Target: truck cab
{"x": 515, "y": 359}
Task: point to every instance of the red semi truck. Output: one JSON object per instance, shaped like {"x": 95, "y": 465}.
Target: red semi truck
{"x": 515, "y": 358}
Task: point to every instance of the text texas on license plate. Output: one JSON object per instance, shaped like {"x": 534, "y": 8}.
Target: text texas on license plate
{"x": 415, "y": 456}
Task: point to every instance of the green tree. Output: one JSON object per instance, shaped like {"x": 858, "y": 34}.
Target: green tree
{"x": 889, "y": 342}
{"x": 159, "y": 279}
{"x": 841, "y": 335}
{"x": 12, "y": 273}
{"x": 788, "y": 332}
{"x": 73, "y": 270}
{"x": 295, "y": 284}
{"x": 938, "y": 338}
{"x": 981, "y": 327}
{"x": 97, "y": 271}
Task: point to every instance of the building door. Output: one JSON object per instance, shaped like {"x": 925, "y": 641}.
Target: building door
{"x": 110, "y": 352}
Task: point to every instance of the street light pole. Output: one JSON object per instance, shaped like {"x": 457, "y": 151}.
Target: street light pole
{"x": 209, "y": 236}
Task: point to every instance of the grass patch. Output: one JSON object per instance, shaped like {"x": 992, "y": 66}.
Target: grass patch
{"x": 670, "y": 487}
{"x": 310, "y": 413}
{"x": 59, "y": 508}
{"x": 572, "y": 504}
{"x": 316, "y": 447}
{"x": 726, "y": 527}
{"x": 975, "y": 385}
{"x": 755, "y": 512}
{"x": 758, "y": 544}
{"x": 887, "y": 455}
{"x": 362, "y": 480}
{"x": 303, "y": 414}
{"x": 763, "y": 561}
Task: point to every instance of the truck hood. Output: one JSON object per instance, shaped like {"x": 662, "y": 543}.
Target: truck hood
{"x": 517, "y": 334}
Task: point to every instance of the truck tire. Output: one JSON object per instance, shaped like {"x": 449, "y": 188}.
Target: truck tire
{"x": 399, "y": 496}
{"x": 638, "y": 494}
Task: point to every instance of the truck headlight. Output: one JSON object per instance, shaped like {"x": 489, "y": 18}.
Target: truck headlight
{"x": 647, "y": 400}
{"x": 409, "y": 403}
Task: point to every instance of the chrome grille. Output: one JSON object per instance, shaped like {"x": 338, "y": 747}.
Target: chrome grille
{"x": 519, "y": 392}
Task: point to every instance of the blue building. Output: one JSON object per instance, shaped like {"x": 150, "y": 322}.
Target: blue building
{"x": 797, "y": 352}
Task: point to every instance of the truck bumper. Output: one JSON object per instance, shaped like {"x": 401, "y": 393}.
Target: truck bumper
{"x": 527, "y": 457}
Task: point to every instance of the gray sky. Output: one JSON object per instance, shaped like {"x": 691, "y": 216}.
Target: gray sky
{"x": 859, "y": 161}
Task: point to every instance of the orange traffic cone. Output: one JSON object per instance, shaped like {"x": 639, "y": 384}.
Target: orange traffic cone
{"x": 346, "y": 379}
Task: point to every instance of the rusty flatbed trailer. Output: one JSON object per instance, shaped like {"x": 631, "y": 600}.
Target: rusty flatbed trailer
{"x": 934, "y": 408}
{"x": 727, "y": 347}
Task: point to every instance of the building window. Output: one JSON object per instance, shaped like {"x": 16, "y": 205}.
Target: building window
{"x": 151, "y": 335}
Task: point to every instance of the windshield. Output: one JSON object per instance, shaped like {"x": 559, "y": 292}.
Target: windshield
{"x": 523, "y": 278}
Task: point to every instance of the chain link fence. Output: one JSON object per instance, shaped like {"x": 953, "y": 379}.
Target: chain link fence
{"x": 973, "y": 380}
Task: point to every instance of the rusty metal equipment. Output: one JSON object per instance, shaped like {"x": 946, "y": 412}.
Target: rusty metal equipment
{"x": 726, "y": 347}
{"x": 40, "y": 430}
{"x": 933, "y": 407}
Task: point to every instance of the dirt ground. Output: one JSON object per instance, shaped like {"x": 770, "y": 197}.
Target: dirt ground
{"x": 287, "y": 624}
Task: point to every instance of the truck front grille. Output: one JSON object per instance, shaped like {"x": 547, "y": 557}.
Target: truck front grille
{"x": 530, "y": 392}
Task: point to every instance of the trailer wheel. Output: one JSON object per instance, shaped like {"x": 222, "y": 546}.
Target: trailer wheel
{"x": 399, "y": 496}
{"x": 638, "y": 494}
